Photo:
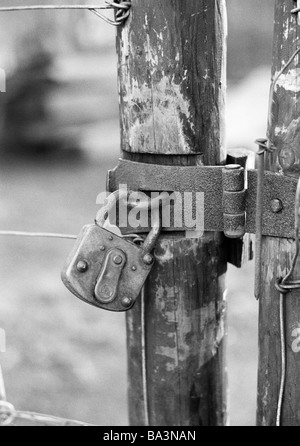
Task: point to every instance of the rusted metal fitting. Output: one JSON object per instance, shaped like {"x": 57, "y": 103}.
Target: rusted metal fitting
{"x": 276, "y": 205}
{"x": 234, "y": 207}
{"x": 217, "y": 183}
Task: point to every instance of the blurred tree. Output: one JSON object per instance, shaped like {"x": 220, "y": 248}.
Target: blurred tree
{"x": 54, "y": 65}
{"x": 61, "y": 72}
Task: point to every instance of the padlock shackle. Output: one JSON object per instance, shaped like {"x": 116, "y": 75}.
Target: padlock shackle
{"x": 154, "y": 205}
{"x": 151, "y": 239}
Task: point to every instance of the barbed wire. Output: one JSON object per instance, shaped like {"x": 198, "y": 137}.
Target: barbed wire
{"x": 121, "y": 8}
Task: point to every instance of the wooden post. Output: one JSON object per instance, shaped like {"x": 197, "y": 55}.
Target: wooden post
{"x": 284, "y": 132}
{"x": 172, "y": 89}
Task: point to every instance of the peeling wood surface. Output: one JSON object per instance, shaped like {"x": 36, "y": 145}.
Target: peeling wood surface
{"x": 172, "y": 89}
{"x": 172, "y": 76}
{"x": 277, "y": 253}
{"x": 185, "y": 333}
{"x": 285, "y": 133}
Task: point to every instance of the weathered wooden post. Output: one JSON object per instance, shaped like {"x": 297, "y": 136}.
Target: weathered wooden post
{"x": 284, "y": 132}
{"x": 172, "y": 94}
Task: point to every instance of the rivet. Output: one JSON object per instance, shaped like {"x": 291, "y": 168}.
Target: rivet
{"x": 148, "y": 259}
{"x": 82, "y": 266}
{"x": 127, "y": 302}
{"x": 102, "y": 248}
{"x": 118, "y": 260}
{"x": 276, "y": 206}
{"x": 110, "y": 237}
{"x": 134, "y": 268}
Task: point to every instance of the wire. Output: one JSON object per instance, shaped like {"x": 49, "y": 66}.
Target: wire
{"x": 259, "y": 218}
{"x": 48, "y": 419}
{"x": 283, "y": 362}
{"x": 284, "y": 286}
{"x": 8, "y": 414}
{"x": 52, "y": 7}
{"x": 122, "y": 10}
{"x": 144, "y": 359}
{"x": 274, "y": 83}
{"x": 37, "y": 234}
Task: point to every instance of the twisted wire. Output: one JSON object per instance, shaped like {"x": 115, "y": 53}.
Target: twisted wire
{"x": 121, "y": 8}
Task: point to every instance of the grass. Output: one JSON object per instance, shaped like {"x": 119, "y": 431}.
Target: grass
{"x": 63, "y": 356}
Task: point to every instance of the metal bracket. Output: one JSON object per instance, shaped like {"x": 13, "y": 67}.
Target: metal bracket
{"x": 229, "y": 206}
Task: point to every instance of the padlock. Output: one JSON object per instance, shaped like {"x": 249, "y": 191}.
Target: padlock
{"x": 106, "y": 270}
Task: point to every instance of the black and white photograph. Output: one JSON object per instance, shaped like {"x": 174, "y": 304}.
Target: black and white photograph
{"x": 149, "y": 215}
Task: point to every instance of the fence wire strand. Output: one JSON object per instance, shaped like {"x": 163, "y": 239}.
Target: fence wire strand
{"x": 121, "y": 9}
{"x": 37, "y": 235}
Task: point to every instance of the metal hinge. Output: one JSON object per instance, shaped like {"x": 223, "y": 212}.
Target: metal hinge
{"x": 230, "y": 196}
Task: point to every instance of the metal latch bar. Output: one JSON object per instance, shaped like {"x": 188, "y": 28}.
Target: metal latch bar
{"x": 278, "y": 205}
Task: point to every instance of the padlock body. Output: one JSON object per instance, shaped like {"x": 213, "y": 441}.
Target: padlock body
{"x": 105, "y": 270}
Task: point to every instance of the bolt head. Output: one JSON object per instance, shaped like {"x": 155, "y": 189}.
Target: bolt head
{"x": 118, "y": 260}
{"x": 148, "y": 259}
{"x": 276, "y": 206}
{"x": 82, "y": 266}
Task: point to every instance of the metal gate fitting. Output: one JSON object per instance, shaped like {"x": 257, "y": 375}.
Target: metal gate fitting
{"x": 230, "y": 206}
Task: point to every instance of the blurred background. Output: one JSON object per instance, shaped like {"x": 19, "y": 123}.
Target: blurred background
{"x": 59, "y": 135}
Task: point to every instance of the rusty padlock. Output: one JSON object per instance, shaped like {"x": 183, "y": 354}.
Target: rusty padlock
{"x": 106, "y": 270}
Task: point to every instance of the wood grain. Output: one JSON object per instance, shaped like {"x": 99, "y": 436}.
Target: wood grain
{"x": 185, "y": 333}
{"x": 172, "y": 89}
{"x": 277, "y": 253}
{"x": 172, "y": 78}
